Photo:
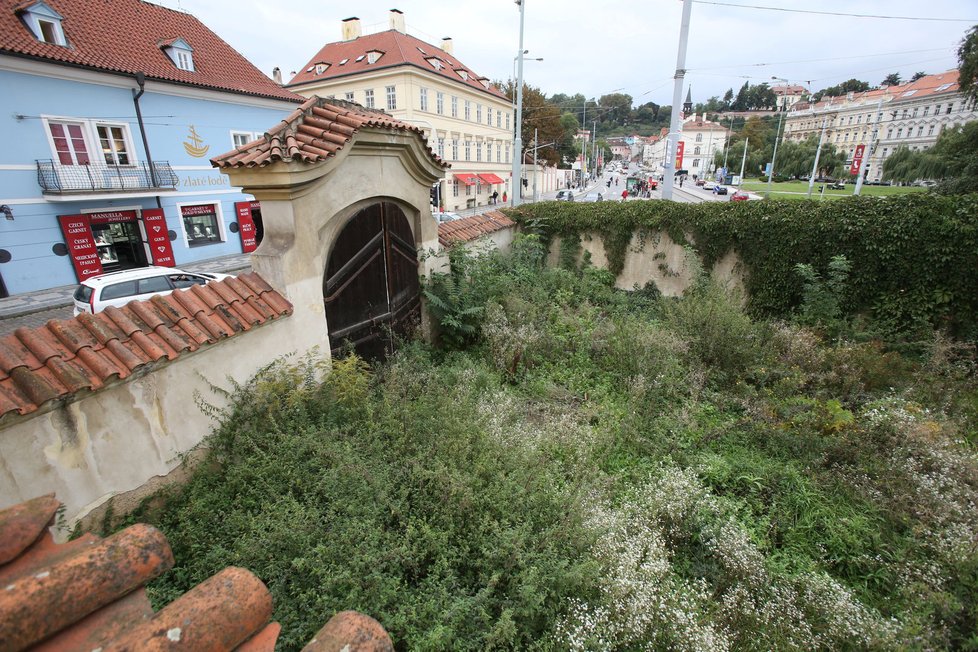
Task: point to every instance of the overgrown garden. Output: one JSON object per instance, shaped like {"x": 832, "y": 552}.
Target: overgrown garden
{"x": 581, "y": 468}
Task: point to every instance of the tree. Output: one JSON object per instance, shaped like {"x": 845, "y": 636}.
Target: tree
{"x": 567, "y": 146}
{"x": 727, "y": 99}
{"x": 893, "y": 79}
{"x": 741, "y": 103}
{"x": 953, "y": 161}
{"x": 615, "y": 109}
{"x": 795, "y": 158}
{"x": 918, "y": 75}
{"x": 541, "y": 115}
{"x": 850, "y": 86}
{"x": 968, "y": 65}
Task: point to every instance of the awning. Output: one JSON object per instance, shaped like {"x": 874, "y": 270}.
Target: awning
{"x": 491, "y": 178}
{"x": 467, "y": 178}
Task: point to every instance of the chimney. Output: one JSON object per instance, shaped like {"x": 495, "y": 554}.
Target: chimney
{"x": 351, "y": 28}
{"x": 446, "y": 45}
{"x": 397, "y": 21}
{"x": 277, "y": 75}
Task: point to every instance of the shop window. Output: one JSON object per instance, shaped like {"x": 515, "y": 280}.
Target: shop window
{"x": 201, "y": 224}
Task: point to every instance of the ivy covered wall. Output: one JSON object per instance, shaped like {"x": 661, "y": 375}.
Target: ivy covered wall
{"x": 914, "y": 257}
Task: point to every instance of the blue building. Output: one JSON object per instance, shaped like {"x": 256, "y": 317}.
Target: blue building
{"x": 112, "y": 110}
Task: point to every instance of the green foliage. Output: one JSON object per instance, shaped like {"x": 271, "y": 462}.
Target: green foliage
{"x": 914, "y": 257}
{"x": 821, "y": 305}
{"x": 452, "y": 302}
{"x": 968, "y": 65}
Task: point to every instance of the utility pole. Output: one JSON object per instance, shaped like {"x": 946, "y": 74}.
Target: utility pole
{"x": 818, "y": 152}
{"x": 594, "y": 148}
{"x": 742, "y": 162}
{"x": 675, "y": 121}
{"x": 872, "y": 147}
{"x": 517, "y": 189}
{"x": 535, "y": 143}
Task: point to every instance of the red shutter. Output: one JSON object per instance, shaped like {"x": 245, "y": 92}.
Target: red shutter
{"x": 81, "y": 245}
{"x": 158, "y": 237}
{"x": 246, "y": 226}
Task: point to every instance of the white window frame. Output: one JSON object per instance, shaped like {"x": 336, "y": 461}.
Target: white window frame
{"x": 350, "y": 96}
{"x": 40, "y": 14}
{"x": 93, "y": 144}
{"x": 368, "y": 98}
{"x": 127, "y": 143}
{"x": 439, "y": 103}
{"x": 468, "y": 110}
{"x": 423, "y": 97}
{"x": 468, "y": 151}
{"x": 391, "y": 98}
{"x": 221, "y": 228}
{"x": 248, "y": 136}
{"x": 478, "y": 113}
{"x": 454, "y": 106}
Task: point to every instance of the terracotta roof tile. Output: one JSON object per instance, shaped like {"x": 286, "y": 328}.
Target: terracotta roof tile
{"x": 64, "y": 357}
{"x": 315, "y": 131}
{"x": 128, "y": 36}
{"x": 471, "y": 228}
{"x": 89, "y": 594}
{"x": 399, "y": 49}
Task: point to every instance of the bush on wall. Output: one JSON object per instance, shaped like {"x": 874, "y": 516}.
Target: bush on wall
{"x": 914, "y": 257}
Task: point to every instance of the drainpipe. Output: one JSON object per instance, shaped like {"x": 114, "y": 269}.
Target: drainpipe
{"x": 141, "y": 81}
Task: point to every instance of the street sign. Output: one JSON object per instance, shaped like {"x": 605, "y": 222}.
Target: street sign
{"x": 857, "y": 160}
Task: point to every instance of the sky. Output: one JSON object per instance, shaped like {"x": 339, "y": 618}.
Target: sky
{"x": 623, "y": 46}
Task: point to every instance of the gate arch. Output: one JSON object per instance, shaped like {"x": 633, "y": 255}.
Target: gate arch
{"x": 371, "y": 289}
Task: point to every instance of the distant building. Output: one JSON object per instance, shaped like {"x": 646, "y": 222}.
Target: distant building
{"x": 881, "y": 120}
{"x": 787, "y": 95}
{"x": 111, "y": 112}
{"x": 467, "y": 120}
{"x": 701, "y": 139}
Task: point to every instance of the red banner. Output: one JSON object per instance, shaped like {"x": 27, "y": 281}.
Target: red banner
{"x": 857, "y": 160}
{"x": 246, "y": 225}
{"x": 81, "y": 245}
{"x": 680, "y": 148}
{"x": 158, "y": 237}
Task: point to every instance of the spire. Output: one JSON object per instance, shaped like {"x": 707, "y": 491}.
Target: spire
{"x": 688, "y": 104}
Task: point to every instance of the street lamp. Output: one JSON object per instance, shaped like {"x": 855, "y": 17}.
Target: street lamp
{"x": 524, "y": 61}
{"x": 517, "y": 187}
{"x": 777, "y": 138}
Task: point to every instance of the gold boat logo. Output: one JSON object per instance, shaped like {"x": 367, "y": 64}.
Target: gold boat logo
{"x": 194, "y": 146}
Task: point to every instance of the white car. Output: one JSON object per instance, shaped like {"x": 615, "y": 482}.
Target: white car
{"x": 445, "y": 217}
{"x": 97, "y": 293}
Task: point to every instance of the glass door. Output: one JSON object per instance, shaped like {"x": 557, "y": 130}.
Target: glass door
{"x": 120, "y": 245}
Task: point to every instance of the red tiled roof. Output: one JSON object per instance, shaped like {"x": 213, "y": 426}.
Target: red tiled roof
{"x": 127, "y": 36}
{"x": 313, "y": 132}
{"x": 88, "y": 352}
{"x": 399, "y": 50}
{"x": 89, "y": 594}
{"x": 471, "y": 228}
{"x": 944, "y": 82}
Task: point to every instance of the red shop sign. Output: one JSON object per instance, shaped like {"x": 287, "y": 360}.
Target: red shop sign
{"x": 680, "y": 148}
{"x": 81, "y": 245}
{"x": 246, "y": 225}
{"x": 158, "y": 237}
{"x": 199, "y": 209}
{"x": 108, "y": 217}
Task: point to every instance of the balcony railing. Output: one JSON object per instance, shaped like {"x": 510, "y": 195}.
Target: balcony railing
{"x": 54, "y": 177}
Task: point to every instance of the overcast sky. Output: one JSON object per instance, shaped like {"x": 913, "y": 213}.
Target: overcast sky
{"x": 627, "y": 46}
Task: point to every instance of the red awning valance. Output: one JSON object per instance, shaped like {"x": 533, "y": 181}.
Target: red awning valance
{"x": 489, "y": 177}
{"x": 467, "y": 178}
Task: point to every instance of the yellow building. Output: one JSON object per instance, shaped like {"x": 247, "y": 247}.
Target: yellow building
{"x": 468, "y": 122}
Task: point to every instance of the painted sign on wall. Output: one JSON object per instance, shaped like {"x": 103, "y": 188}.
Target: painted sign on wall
{"x": 158, "y": 237}
{"x": 246, "y": 226}
{"x": 77, "y": 230}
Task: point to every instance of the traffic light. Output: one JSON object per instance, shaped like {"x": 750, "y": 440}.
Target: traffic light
{"x": 525, "y": 184}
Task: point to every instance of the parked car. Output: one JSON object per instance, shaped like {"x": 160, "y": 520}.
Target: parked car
{"x": 701, "y": 182}
{"x": 719, "y": 190}
{"x": 592, "y": 197}
{"x": 97, "y": 293}
{"x": 739, "y": 196}
{"x": 838, "y": 185}
{"x": 565, "y": 195}
{"x": 446, "y": 216}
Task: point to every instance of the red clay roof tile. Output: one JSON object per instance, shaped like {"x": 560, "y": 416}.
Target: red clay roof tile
{"x": 313, "y": 132}
{"x": 22, "y": 525}
{"x": 471, "y": 228}
{"x": 64, "y": 357}
{"x": 128, "y": 36}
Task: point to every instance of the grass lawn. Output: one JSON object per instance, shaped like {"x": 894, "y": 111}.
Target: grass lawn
{"x": 799, "y": 190}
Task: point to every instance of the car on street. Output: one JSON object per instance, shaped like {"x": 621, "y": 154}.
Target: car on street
{"x": 838, "y": 185}
{"x": 719, "y": 190}
{"x": 446, "y": 216}
{"x": 592, "y": 197}
{"x": 701, "y": 182}
{"x": 739, "y": 196}
{"x": 565, "y": 195}
{"x": 95, "y": 294}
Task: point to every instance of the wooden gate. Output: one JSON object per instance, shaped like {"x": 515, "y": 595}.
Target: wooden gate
{"x": 371, "y": 287}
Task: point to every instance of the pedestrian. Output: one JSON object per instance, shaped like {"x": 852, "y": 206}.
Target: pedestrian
{"x": 624, "y": 195}
{"x": 681, "y": 180}
{"x": 504, "y": 196}
{"x": 495, "y": 196}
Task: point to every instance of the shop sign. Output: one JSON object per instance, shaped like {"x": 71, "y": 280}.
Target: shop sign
{"x": 199, "y": 209}
{"x": 108, "y": 217}
{"x": 246, "y": 225}
{"x": 158, "y": 237}
{"x": 680, "y": 148}
{"x": 857, "y": 160}
{"x": 77, "y": 230}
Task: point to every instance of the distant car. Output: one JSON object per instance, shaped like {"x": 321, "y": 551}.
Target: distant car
{"x": 701, "y": 182}
{"x": 838, "y": 185}
{"x": 565, "y": 195}
{"x": 97, "y": 293}
{"x": 719, "y": 190}
{"x": 592, "y": 197}
{"x": 739, "y": 196}
{"x": 446, "y": 217}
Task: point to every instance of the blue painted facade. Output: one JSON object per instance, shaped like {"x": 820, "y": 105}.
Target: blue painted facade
{"x": 184, "y": 128}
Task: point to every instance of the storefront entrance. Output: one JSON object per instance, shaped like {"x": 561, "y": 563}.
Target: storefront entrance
{"x": 119, "y": 245}
{"x": 114, "y": 240}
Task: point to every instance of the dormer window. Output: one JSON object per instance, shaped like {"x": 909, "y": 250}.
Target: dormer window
{"x": 360, "y": 58}
{"x": 318, "y": 68}
{"x": 45, "y": 23}
{"x": 435, "y": 63}
{"x": 373, "y": 55}
{"x": 464, "y": 74}
{"x": 180, "y": 53}
{"x": 485, "y": 82}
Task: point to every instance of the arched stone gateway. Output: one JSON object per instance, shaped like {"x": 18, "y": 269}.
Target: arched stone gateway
{"x": 344, "y": 194}
{"x": 370, "y": 289}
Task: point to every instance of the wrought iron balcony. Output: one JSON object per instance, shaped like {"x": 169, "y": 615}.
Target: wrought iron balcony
{"x": 55, "y": 177}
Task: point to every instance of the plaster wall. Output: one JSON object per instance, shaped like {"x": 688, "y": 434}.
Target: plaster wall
{"x": 116, "y": 440}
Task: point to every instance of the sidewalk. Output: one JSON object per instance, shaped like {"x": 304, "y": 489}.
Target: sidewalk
{"x": 31, "y": 302}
